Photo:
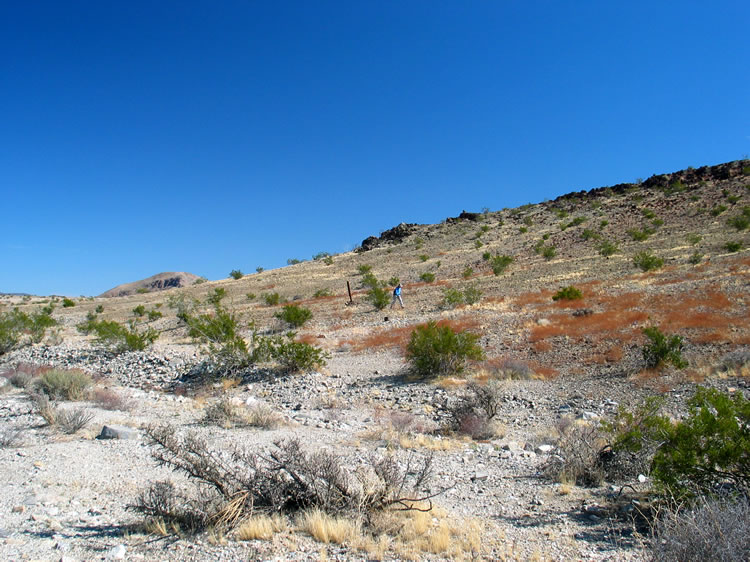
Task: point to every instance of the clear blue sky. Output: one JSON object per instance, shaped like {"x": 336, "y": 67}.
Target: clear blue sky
{"x": 139, "y": 137}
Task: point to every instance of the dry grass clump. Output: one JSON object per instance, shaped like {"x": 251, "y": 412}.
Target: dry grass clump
{"x": 9, "y": 437}
{"x": 712, "y": 529}
{"x": 261, "y": 527}
{"x": 577, "y": 458}
{"x": 404, "y": 430}
{"x": 228, "y": 414}
{"x": 22, "y": 375}
{"x": 66, "y": 420}
{"x": 473, "y": 413}
{"x": 326, "y": 528}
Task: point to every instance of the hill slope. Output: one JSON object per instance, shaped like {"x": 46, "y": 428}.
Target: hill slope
{"x": 158, "y": 282}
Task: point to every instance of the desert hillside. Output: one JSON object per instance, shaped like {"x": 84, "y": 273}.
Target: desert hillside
{"x": 670, "y": 252}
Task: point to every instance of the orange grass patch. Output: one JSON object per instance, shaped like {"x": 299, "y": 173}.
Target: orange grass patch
{"x": 399, "y": 337}
{"x": 610, "y": 322}
{"x": 540, "y": 297}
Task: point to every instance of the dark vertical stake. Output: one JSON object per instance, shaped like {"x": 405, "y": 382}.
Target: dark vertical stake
{"x": 348, "y": 288}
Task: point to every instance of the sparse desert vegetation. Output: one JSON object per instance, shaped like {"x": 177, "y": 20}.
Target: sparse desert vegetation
{"x": 601, "y": 395}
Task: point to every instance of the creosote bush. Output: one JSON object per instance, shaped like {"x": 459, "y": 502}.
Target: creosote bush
{"x": 646, "y": 261}
{"x": 236, "y": 274}
{"x": 271, "y": 299}
{"x": 435, "y": 350}
{"x": 569, "y": 293}
{"x": 18, "y": 328}
{"x": 294, "y": 315}
{"x": 378, "y": 297}
{"x": 662, "y": 349}
{"x": 119, "y": 338}
{"x": 500, "y": 263}
{"x": 427, "y": 277}
{"x": 454, "y": 297}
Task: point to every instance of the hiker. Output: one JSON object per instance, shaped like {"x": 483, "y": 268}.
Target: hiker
{"x": 397, "y": 295}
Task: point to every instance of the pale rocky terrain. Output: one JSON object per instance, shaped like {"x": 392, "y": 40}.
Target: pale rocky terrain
{"x": 67, "y": 496}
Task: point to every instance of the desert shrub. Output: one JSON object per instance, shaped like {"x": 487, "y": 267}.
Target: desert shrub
{"x": 733, "y": 246}
{"x": 467, "y": 272}
{"x": 271, "y": 299}
{"x": 608, "y": 248}
{"x": 393, "y": 281}
{"x": 740, "y": 222}
{"x": 500, "y": 263}
{"x": 378, "y": 297}
{"x": 321, "y": 256}
{"x": 145, "y": 290}
{"x": 735, "y": 360}
{"x": 9, "y": 437}
{"x": 236, "y": 274}
{"x": 578, "y": 454}
{"x": 523, "y": 229}
{"x": 438, "y": 350}
{"x": 423, "y": 257}
{"x": 715, "y": 529}
{"x": 716, "y": 211}
{"x": 219, "y": 330}
{"x": 648, "y": 213}
{"x": 452, "y": 298}
{"x": 71, "y": 421}
{"x": 154, "y": 315}
{"x": 139, "y": 310}
{"x": 640, "y": 235}
{"x": 427, "y": 277}
{"x": 224, "y": 413}
{"x": 695, "y": 258}
{"x": 217, "y": 296}
{"x": 320, "y": 293}
{"x": 61, "y": 384}
{"x": 472, "y": 294}
{"x": 634, "y": 435}
{"x": 418, "y": 243}
{"x": 474, "y": 412}
{"x": 239, "y": 483}
{"x": 364, "y": 268}
{"x": 656, "y": 223}
{"x": 370, "y": 281}
{"x": 67, "y": 303}
{"x": 662, "y": 349}
{"x": 646, "y": 261}
{"x": 486, "y": 256}
{"x": 293, "y": 261}
{"x": 109, "y": 399}
{"x": 119, "y": 338}
{"x": 589, "y": 234}
{"x": 328, "y": 260}
{"x": 99, "y": 309}
{"x": 251, "y": 296}
{"x": 548, "y": 252}
{"x": 294, "y": 315}
{"x": 569, "y": 293}
{"x": 259, "y": 269}
{"x": 18, "y": 328}
{"x": 709, "y": 448}
{"x": 295, "y": 357}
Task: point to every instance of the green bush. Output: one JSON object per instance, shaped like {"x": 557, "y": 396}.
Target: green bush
{"x": 523, "y": 230}
{"x": 67, "y": 303}
{"x": 321, "y": 256}
{"x": 452, "y": 298}
{"x": 647, "y": 261}
{"x": 293, "y": 261}
{"x": 716, "y": 211}
{"x": 733, "y": 246}
{"x": 99, "y": 309}
{"x": 740, "y": 222}
{"x": 424, "y": 257}
{"x": 236, "y": 274}
{"x": 486, "y": 256}
{"x": 369, "y": 280}
{"x": 438, "y": 350}
{"x": 549, "y": 252}
{"x": 364, "y": 269}
{"x": 707, "y": 449}
{"x": 468, "y": 272}
{"x": 259, "y": 269}
{"x": 251, "y": 296}
{"x": 154, "y": 315}
{"x": 695, "y": 258}
{"x": 500, "y": 263}
{"x": 217, "y": 296}
{"x": 427, "y": 277}
{"x": 589, "y": 234}
{"x": 662, "y": 349}
{"x": 119, "y": 338}
{"x": 640, "y": 235}
{"x": 472, "y": 294}
{"x": 139, "y": 310}
{"x": 328, "y": 260}
{"x": 60, "y": 384}
{"x": 271, "y": 299}
{"x": 295, "y": 357}
{"x": 393, "y": 281}
{"x": 478, "y": 244}
{"x": 294, "y": 315}
{"x": 567, "y": 293}
{"x": 18, "y": 328}
{"x": 693, "y": 238}
{"x": 379, "y": 297}
{"x": 320, "y": 293}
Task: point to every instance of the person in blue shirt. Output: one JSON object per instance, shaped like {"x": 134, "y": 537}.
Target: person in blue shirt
{"x": 397, "y": 296}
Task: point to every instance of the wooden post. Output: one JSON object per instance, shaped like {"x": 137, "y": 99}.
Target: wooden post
{"x": 349, "y": 288}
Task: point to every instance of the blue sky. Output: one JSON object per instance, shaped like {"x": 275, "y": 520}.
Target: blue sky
{"x": 140, "y": 137}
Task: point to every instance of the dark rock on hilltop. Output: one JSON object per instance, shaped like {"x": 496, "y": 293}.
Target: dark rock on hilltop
{"x": 159, "y": 282}
{"x": 395, "y": 234}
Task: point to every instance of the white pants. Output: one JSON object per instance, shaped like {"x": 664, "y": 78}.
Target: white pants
{"x": 397, "y": 297}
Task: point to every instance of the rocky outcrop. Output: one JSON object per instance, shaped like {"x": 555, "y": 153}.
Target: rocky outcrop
{"x": 395, "y": 235}
{"x": 159, "y": 282}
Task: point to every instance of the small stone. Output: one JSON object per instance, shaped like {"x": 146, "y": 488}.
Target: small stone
{"x": 543, "y": 322}
{"x": 544, "y": 449}
{"x": 642, "y": 478}
{"x": 117, "y": 432}
{"x": 480, "y": 476}
{"x": 18, "y": 509}
{"x": 587, "y": 416}
{"x": 117, "y": 553}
